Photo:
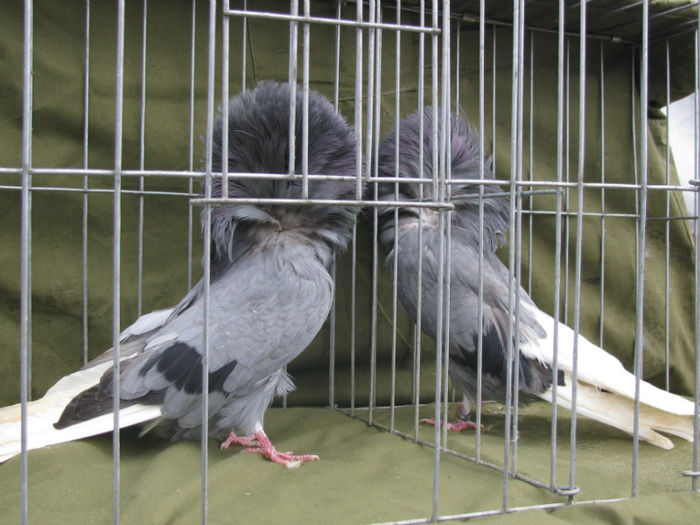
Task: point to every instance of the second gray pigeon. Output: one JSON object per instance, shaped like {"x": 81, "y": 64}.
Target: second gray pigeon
{"x": 605, "y": 390}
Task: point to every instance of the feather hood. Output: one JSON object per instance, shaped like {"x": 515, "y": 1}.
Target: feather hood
{"x": 258, "y": 142}
{"x": 464, "y": 144}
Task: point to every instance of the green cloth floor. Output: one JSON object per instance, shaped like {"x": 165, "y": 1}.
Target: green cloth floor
{"x": 364, "y": 475}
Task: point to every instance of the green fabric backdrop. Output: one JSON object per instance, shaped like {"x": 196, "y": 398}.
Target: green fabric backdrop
{"x": 391, "y": 477}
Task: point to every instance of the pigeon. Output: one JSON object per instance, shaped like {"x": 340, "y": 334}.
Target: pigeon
{"x": 270, "y": 293}
{"x": 605, "y": 390}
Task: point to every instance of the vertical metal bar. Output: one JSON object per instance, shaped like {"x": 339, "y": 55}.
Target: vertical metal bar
{"x": 458, "y": 43}
{"x": 579, "y": 237}
{"x": 395, "y": 261}
{"x": 696, "y": 421}
{"x": 293, "y": 74}
{"x": 557, "y": 236}
{"x": 206, "y": 256}
{"x": 434, "y": 47}
{"x": 368, "y": 171}
{"x": 438, "y": 355}
{"x": 456, "y": 110}
{"x": 25, "y": 246}
{"x": 305, "y": 104}
{"x": 602, "y": 195}
{"x": 244, "y": 46}
{"x": 225, "y": 46}
{"x": 641, "y": 243}
{"x": 493, "y": 101}
{"x": 370, "y": 88}
{"x": 531, "y": 161}
{"x": 447, "y": 191}
{"x": 667, "y": 276}
{"x": 293, "y": 61}
{"x": 358, "y": 190}
{"x": 331, "y": 343}
{"x": 633, "y": 98}
{"x": 446, "y": 194}
{"x": 190, "y": 164}
{"x": 518, "y": 240}
{"x": 439, "y": 170}
{"x": 517, "y": 6}
{"x": 358, "y": 102}
{"x": 86, "y": 132}
{"x": 116, "y": 253}
{"x": 373, "y": 102}
{"x": 332, "y": 319}
{"x": 419, "y": 276}
{"x": 358, "y": 193}
{"x": 353, "y": 308}
{"x": 482, "y": 173}
{"x": 336, "y": 78}
{"x": 142, "y": 154}
{"x": 567, "y": 205}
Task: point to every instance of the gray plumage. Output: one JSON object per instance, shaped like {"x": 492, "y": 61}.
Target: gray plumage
{"x": 605, "y": 388}
{"x": 270, "y": 289}
{"x": 464, "y": 251}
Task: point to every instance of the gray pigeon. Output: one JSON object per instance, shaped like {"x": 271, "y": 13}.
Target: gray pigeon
{"x": 605, "y": 390}
{"x": 270, "y": 294}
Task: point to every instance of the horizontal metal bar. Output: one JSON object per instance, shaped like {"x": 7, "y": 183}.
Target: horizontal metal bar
{"x": 105, "y": 172}
{"x": 323, "y": 202}
{"x": 509, "y": 510}
{"x": 555, "y": 184}
{"x": 345, "y": 178}
{"x": 329, "y": 21}
{"x": 474, "y": 18}
{"x": 387, "y": 204}
{"x": 476, "y": 196}
{"x": 674, "y": 218}
{"x": 104, "y": 191}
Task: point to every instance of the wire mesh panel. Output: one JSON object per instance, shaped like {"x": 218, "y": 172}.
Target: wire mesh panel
{"x": 514, "y": 189}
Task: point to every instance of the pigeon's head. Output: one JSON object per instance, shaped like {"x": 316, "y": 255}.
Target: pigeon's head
{"x": 403, "y": 158}
{"x": 258, "y": 143}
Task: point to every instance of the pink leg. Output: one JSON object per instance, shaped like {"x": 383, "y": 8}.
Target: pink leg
{"x": 242, "y": 441}
{"x": 259, "y": 443}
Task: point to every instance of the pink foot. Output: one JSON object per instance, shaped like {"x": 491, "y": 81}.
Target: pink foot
{"x": 259, "y": 443}
{"x": 457, "y": 426}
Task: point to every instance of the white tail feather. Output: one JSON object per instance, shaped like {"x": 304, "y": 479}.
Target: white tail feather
{"x": 44, "y": 412}
{"x": 599, "y": 368}
{"x": 618, "y": 411}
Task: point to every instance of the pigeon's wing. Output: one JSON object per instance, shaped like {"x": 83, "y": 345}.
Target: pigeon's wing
{"x": 263, "y": 312}
{"x": 535, "y": 375}
{"x": 146, "y": 324}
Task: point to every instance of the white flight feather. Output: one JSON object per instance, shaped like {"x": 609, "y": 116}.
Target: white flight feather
{"x": 598, "y": 368}
{"x": 44, "y": 412}
{"x": 146, "y": 323}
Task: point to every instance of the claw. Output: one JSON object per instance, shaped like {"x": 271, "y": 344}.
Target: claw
{"x": 259, "y": 443}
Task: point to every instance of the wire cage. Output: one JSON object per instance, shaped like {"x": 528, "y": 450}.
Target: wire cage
{"x": 104, "y": 176}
